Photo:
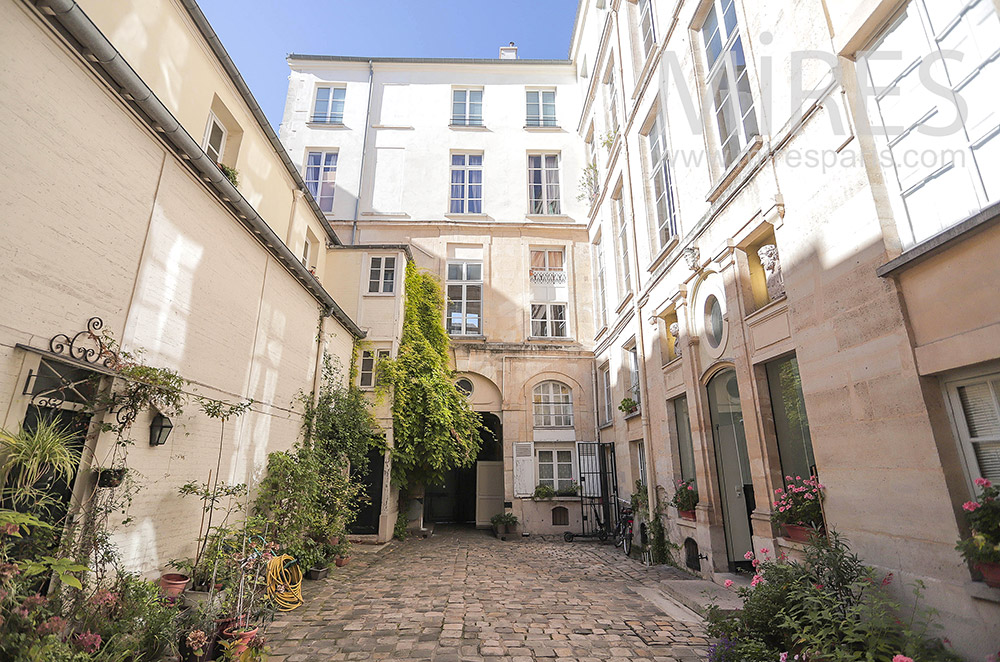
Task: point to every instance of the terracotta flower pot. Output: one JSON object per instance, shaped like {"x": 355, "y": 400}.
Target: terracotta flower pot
{"x": 687, "y": 514}
{"x": 991, "y": 573}
{"x": 795, "y": 532}
{"x": 341, "y": 561}
{"x": 242, "y": 638}
{"x": 173, "y": 583}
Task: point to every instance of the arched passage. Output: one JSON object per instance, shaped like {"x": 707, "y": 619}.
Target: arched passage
{"x": 454, "y": 502}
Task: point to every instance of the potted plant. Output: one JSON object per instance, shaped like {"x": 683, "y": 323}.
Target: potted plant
{"x": 982, "y": 547}
{"x": 341, "y": 551}
{"x": 543, "y": 491}
{"x": 504, "y": 523}
{"x": 797, "y": 508}
{"x": 628, "y": 406}
{"x": 685, "y": 499}
{"x": 110, "y": 476}
{"x": 173, "y": 584}
{"x": 570, "y": 490}
{"x": 315, "y": 563}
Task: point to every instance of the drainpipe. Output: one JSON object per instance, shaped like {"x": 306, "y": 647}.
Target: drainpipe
{"x": 364, "y": 151}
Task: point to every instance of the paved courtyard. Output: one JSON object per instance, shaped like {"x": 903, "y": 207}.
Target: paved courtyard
{"x": 463, "y": 595}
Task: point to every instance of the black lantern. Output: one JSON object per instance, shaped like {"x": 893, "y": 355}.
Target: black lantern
{"x": 159, "y": 430}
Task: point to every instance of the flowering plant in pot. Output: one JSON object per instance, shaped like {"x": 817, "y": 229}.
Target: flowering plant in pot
{"x": 982, "y": 547}
{"x": 628, "y": 406}
{"x": 685, "y": 499}
{"x": 797, "y": 507}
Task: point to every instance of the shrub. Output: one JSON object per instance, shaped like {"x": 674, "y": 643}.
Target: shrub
{"x": 544, "y": 492}
{"x": 983, "y": 517}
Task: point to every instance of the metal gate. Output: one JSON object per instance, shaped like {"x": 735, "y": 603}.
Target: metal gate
{"x": 598, "y": 489}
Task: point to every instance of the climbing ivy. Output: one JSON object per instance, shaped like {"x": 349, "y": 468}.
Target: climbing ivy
{"x": 434, "y": 426}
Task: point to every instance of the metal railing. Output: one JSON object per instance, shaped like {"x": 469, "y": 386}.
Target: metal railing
{"x": 547, "y": 277}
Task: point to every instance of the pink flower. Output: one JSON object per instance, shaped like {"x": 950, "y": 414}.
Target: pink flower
{"x": 902, "y": 658}
{"x": 764, "y": 550}
{"x": 819, "y": 587}
{"x": 90, "y": 642}
{"x": 749, "y": 555}
{"x": 53, "y": 625}
{"x": 783, "y": 657}
{"x": 982, "y": 482}
{"x": 757, "y": 579}
{"x": 729, "y": 583}
{"x": 970, "y": 506}
{"x": 10, "y": 529}
{"x": 690, "y": 488}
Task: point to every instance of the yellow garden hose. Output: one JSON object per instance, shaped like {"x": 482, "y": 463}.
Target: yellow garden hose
{"x": 284, "y": 582}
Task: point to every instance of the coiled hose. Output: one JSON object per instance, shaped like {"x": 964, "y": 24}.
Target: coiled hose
{"x": 284, "y": 582}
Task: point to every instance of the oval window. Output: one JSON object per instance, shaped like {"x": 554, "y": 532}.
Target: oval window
{"x": 464, "y": 386}
{"x": 713, "y": 320}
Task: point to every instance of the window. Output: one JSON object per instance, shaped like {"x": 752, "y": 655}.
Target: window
{"x": 306, "y": 251}
{"x": 728, "y": 79}
{"x": 543, "y": 183}
{"x": 553, "y": 405}
{"x": 548, "y": 320}
{"x": 465, "y": 298}
{"x": 600, "y": 284}
{"x": 713, "y": 321}
{"x": 640, "y": 459}
{"x": 560, "y": 516}
{"x": 632, "y": 363}
{"x": 612, "y": 97}
{"x": 329, "y": 106}
{"x": 646, "y": 32}
{"x": 321, "y": 177}
{"x": 466, "y": 184}
{"x": 215, "y": 139}
{"x": 976, "y": 407}
{"x": 555, "y": 469}
{"x": 937, "y": 179}
{"x": 607, "y": 408}
{"x": 790, "y": 423}
{"x": 467, "y": 107}
{"x": 662, "y": 182}
{"x": 621, "y": 230}
{"x": 685, "y": 446}
{"x": 541, "y": 108}
{"x": 382, "y": 275}
{"x": 546, "y": 260}
{"x": 369, "y": 362}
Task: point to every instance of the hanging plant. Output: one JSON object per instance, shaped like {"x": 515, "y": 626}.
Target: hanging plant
{"x": 435, "y": 429}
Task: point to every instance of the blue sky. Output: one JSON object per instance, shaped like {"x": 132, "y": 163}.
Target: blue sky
{"x": 259, "y": 33}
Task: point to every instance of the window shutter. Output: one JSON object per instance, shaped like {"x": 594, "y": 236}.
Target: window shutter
{"x": 524, "y": 469}
{"x": 981, "y": 413}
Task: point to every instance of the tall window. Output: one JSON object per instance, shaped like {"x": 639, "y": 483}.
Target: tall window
{"x": 646, "y": 31}
{"x": 640, "y": 459}
{"x": 306, "y": 252}
{"x": 329, "y": 106}
{"x": 728, "y": 80}
{"x": 938, "y": 180}
{"x": 976, "y": 407}
{"x": 790, "y": 422}
{"x": 369, "y": 363}
{"x": 607, "y": 407}
{"x": 382, "y": 275}
{"x": 600, "y": 283}
{"x": 543, "y": 183}
{"x": 553, "y": 405}
{"x": 215, "y": 138}
{"x": 541, "y": 107}
{"x": 662, "y": 183}
{"x": 321, "y": 177}
{"x": 467, "y": 107}
{"x": 546, "y": 259}
{"x": 612, "y": 96}
{"x": 548, "y": 320}
{"x": 621, "y": 232}
{"x": 632, "y": 363}
{"x": 685, "y": 447}
{"x": 465, "y": 298}
{"x": 555, "y": 469}
{"x": 466, "y": 184}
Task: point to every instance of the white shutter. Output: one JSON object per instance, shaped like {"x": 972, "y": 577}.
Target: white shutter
{"x": 524, "y": 469}
{"x": 977, "y": 403}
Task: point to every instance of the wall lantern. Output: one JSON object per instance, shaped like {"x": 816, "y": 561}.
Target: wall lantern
{"x": 159, "y": 430}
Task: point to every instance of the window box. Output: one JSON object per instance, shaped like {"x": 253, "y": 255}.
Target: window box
{"x": 689, "y": 515}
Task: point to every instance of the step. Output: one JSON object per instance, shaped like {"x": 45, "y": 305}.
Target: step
{"x": 698, "y": 594}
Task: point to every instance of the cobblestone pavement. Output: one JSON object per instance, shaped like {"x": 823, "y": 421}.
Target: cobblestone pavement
{"x": 462, "y": 595}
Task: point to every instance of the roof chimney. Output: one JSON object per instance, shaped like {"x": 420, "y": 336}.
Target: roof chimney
{"x": 508, "y": 52}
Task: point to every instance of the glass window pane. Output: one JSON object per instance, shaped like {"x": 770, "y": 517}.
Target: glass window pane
{"x": 474, "y": 271}
{"x": 790, "y": 422}
{"x": 454, "y": 272}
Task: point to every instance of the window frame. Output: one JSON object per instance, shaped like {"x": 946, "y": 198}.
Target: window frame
{"x": 555, "y": 449}
{"x": 611, "y": 97}
{"x": 467, "y": 118}
{"x": 604, "y": 375}
{"x": 324, "y": 168}
{"x": 713, "y": 71}
{"x": 560, "y": 411}
{"x": 622, "y": 251}
{"x": 465, "y": 282}
{"x": 645, "y": 9}
{"x": 549, "y": 319}
{"x": 466, "y": 168}
{"x": 960, "y": 422}
{"x": 330, "y": 116}
{"x": 661, "y": 182}
{"x": 373, "y": 356}
{"x": 541, "y": 120}
{"x": 213, "y": 120}
{"x": 549, "y": 206}
{"x": 634, "y": 389}
{"x": 546, "y": 252}
{"x": 600, "y": 280}
{"x": 382, "y": 269}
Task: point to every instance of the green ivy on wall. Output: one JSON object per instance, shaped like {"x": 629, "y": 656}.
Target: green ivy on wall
{"x": 434, "y": 426}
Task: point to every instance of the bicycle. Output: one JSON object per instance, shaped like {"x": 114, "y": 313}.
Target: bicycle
{"x": 623, "y": 532}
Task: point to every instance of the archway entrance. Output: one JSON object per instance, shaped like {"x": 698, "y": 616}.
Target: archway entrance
{"x": 454, "y": 502}
{"x": 732, "y": 465}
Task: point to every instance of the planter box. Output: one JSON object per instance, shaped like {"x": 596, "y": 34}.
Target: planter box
{"x": 317, "y": 573}
{"x": 991, "y": 573}
{"x": 689, "y": 515}
{"x": 796, "y": 532}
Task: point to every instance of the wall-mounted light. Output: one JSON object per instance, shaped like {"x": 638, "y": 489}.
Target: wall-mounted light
{"x": 159, "y": 430}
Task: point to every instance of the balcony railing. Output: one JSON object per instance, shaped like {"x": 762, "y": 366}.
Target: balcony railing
{"x": 548, "y": 277}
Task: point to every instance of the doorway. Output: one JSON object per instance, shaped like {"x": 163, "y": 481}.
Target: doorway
{"x": 454, "y": 501}
{"x": 732, "y": 466}
{"x": 372, "y": 479}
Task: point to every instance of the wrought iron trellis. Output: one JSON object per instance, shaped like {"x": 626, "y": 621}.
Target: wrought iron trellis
{"x": 58, "y": 382}
{"x": 598, "y": 490}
